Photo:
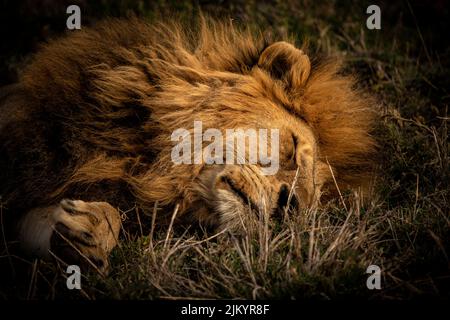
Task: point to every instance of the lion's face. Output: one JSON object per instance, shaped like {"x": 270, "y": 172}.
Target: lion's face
{"x": 254, "y": 102}
{"x": 231, "y": 189}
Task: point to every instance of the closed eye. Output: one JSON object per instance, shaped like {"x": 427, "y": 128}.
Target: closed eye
{"x": 295, "y": 144}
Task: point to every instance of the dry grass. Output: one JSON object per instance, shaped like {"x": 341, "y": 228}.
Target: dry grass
{"x": 271, "y": 259}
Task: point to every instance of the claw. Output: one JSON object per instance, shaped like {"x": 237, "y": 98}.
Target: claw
{"x": 82, "y": 237}
{"x": 68, "y": 206}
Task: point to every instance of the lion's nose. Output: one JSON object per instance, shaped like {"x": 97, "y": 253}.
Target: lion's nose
{"x": 284, "y": 201}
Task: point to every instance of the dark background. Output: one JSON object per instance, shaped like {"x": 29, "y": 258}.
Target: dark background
{"x": 25, "y": 24}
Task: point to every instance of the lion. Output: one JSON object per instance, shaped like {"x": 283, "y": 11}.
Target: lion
{"x": 86, "y": 132}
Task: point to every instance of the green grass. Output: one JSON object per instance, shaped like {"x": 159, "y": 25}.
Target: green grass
{"x": 319, "y": 254}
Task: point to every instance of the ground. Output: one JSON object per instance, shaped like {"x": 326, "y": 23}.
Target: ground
{"x": 321, "y": 254}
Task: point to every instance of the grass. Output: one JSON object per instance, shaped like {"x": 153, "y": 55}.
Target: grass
{"x": 319, "y": 254}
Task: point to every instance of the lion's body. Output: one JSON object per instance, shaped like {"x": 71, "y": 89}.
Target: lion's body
{"x": 92, "y": 117}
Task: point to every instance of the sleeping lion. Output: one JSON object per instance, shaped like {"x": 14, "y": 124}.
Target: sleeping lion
{"x": 87, "y": 133}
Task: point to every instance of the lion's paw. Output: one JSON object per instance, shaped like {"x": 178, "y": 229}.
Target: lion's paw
{"x": 85, "y": 233}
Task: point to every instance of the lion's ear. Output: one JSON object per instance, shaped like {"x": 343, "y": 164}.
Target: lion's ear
{"x": 287, "y": 63}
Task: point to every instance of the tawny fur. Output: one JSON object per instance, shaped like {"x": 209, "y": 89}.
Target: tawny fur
{"x": 100, "y": 106}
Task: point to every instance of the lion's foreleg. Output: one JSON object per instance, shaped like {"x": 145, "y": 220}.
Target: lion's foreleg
{"x": 75, "y": 231}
